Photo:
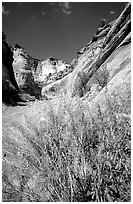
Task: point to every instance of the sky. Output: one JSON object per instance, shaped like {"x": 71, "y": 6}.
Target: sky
{"x": 58, "y": 29}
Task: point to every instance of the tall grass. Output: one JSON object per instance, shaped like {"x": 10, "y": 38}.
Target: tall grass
{"x": 72, "y": 156}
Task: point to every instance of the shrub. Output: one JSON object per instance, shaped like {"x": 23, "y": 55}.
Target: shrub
{"x": 102, "y": 77}
{"x": 72, "y": 156}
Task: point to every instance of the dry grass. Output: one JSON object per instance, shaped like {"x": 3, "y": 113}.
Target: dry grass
{"x": 71, "y": 157}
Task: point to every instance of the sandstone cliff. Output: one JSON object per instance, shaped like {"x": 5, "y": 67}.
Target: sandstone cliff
{"x": 31, "y": 74}
{"x": 88, "y": 66}
{"x": 92, "y": 68}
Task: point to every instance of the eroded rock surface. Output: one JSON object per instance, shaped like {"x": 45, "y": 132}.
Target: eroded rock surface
{"x": 91, "y": 70}
{"x": 88, "y": 64}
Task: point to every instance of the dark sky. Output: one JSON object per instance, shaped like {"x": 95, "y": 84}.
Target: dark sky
{"x": 55, "y": 29}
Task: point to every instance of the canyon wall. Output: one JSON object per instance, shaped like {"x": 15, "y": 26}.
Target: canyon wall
{"x": 98, "y": 62}
{"x": 31, "y": 74}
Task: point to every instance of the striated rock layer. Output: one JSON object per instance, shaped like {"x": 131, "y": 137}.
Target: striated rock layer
{"x": 98, "y": 62}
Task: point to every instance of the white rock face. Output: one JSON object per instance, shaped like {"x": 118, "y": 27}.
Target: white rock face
{"x": 47, "y": 68}
{"x": 20, "y": 63}
{"x": 44, "y": 69}
{"x": 61, "y": 66}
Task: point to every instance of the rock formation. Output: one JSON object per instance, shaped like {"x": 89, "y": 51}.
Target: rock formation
{"x": 91, "y": 61}
{"x": 23, "y": 65}
{"x": 31, "y": 74}
{"x": 108, "y": 43}
{"x": 10, "y": 89}
{"x": 47, "y": 78}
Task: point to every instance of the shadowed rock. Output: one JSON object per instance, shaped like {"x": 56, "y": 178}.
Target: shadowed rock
{"x": 10, "y": 89}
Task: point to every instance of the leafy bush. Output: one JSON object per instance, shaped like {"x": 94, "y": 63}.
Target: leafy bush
{"x": 102, "y": 77}
{"x": 72, "y": 156}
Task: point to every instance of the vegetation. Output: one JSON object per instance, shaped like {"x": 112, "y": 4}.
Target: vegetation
{"x": 72, "y": 156}
{"x": 102, "y": 77}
